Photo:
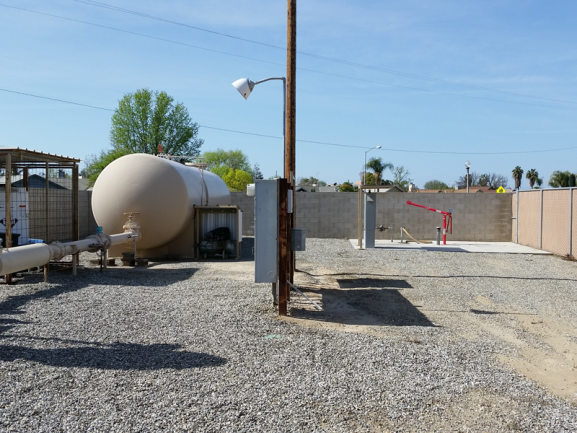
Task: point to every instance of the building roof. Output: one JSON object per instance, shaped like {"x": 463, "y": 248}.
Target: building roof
{"x": 28, "y": 156}
{"x": 35, "y": 181}
{"x": 475, "y": 189}
{"x": 385, "y": 188}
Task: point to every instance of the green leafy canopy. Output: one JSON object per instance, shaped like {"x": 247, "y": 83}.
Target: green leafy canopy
{"x": 143, "y": 121}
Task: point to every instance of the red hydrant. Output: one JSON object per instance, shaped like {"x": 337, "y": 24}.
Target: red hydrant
{"x": 445, "y": 215}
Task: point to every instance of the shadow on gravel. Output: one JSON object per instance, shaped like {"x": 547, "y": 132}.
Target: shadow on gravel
{"x": 337, "y": 274}
{"x": 66, "y": 283}
{"x": 365, "y": 283}
{"x": 117, "y": 356}
{"x": 368, "y": 307}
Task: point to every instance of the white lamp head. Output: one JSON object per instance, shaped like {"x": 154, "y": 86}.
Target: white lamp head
{"x": 244, "y": 87}
{"x": 467, "y": 164}
{"x": 378, "y": 147}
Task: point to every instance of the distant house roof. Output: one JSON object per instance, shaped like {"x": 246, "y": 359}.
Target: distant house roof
{"x": 34, "y": 181}
{"x": 476, "y": 189}
{"x": 430, "y": 191}
{"x": 328, "y": 188}
{"x": 66, "y": 182}
{"x": 302, "y": 189}
{"x": 386, "y": 188}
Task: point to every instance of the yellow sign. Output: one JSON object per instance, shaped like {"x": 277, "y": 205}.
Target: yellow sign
{"x": 500, "y": 190}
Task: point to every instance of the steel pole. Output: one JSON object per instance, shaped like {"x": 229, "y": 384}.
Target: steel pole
{"x": 365, "y": 169}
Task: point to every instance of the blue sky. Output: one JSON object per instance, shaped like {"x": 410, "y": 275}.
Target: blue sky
{"x": 513, "y": 48}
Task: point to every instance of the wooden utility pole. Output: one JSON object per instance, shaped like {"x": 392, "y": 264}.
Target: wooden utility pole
{"x": 291, "y": 65}
{"x": 283, "y": 248}
{"x": 290, "y": 155}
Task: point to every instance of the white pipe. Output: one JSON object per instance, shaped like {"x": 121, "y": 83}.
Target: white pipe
{"x": 30, "y": 256}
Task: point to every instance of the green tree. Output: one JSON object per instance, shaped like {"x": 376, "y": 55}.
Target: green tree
{"x": 143, "y": 121}
{"x": 95, "y": 164}
{"x": 483, "y": 180}
{"x": 237, "y": 180}
{"x": 436, "y": 184}
{"x": 370, "y": 178}
{"x": 401, "y": 177}
{"x": 310, "y": 181}
{"x": 256, "y": 173}
{"x": 559, "y": 179}
{"x": 378, "y": 167}
{"x": 235, "y": 159}
{"x": 532, "y": 175}
{"x": 347, "y": 187}
{"x": 517, "y": 176}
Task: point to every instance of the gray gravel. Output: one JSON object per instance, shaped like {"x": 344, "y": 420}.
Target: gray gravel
{"x": 180, "y": 347}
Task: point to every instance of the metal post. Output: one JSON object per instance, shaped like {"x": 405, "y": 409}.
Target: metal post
{"x": 8, "y": 206}
{"x": 438, "y": 235}
{"x": 360, "y": 219}
{"x": 75, "y": 226}
{"x": 540, "y": 219}
{"x": 570, "y": 222}
{"x": 274, "y": 294}
{"x": 46, "y": 213}
{"x": 467, "y": 179}
{"x": 401, "y": 234}
{"x": 391, "y": 230}
{"x": 517, "y": 218}
{"x": 444, "y": 229}
{"x": 365, "y": 169}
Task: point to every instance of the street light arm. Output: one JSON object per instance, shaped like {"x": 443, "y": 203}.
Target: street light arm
{"x": 271, "y": 78}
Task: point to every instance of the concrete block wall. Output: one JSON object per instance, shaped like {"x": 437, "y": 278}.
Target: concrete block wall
{"x": 477, "y": 217}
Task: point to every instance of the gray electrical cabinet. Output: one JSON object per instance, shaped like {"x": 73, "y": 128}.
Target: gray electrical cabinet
{"x": 370, "y": 223}
{"x": 298, "y": 240}
{"x": 266, "y": 231}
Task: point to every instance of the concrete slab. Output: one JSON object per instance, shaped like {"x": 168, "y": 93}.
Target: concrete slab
{"x": 457, "y": 247}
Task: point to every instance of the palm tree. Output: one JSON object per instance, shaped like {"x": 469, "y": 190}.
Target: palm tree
{"x": 378, "y": 166}
{"x": 559, "y": 179}
{"x": 532, "y": 175}
{"x": 518, "y": 176}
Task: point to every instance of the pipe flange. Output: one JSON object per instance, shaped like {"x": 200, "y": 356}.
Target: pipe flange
{"x": 101, "y": 240}
{"x": 59, "y": 250}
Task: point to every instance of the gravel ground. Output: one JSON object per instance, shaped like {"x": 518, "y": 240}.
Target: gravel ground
{"x": 196, "y": 346}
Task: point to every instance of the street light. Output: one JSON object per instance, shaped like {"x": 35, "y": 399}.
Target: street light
{"x": 365, "y": 170}
{"x": 245, "y": 86}
{"x": 467, "y": 165}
